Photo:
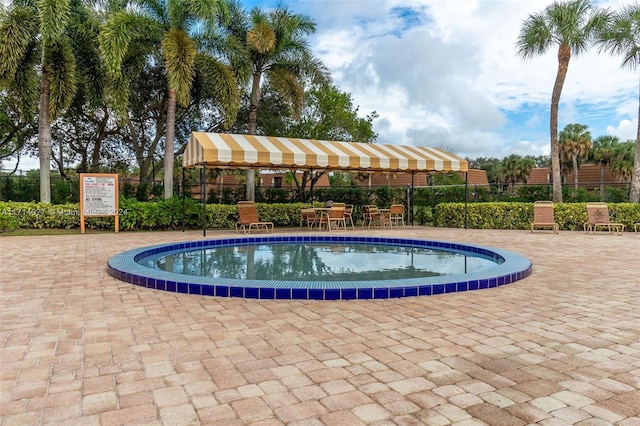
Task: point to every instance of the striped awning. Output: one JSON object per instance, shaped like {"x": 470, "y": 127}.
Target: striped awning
{"x": 219, "y": 150}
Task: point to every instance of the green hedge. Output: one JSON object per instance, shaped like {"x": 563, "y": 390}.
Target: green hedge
{"x": 513, "y": 215}
{"x": 136, "y": 215}
{"x": 167, "y": 214}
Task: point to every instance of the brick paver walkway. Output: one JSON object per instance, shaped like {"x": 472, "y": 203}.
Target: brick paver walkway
{"x": 561, "y": 347}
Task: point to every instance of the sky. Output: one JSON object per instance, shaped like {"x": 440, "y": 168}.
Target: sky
{"x": 446, "y": 74}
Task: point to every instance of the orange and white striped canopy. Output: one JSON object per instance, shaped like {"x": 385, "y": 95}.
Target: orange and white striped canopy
{"x": 219, "y": 150}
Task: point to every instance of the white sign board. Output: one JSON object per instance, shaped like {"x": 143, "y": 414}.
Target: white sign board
{"x": 98, "y": 196}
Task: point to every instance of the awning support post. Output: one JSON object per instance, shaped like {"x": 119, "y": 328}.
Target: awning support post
{"x": 203, "y": 197}
{"x": 466, "y": 199}
{"x": 410, "y": 198}
{"x": 311, "y": 186}
{"x": 183, "y": 197}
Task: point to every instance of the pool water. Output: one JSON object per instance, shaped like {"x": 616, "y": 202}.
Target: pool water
{"x": 358, "y": 276}
{"x": 318, "y": 262}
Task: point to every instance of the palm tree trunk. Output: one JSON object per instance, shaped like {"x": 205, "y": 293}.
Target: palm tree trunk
{"x": 44, "y": 137}
{"x": 168, "y": 145}
{"x": 564, "y": 54}
{"x": 253, "y": 120}
{"x": 634, "y": 196}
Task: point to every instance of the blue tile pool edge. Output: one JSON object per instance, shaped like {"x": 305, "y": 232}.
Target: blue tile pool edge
{"x": 511, "y": 267}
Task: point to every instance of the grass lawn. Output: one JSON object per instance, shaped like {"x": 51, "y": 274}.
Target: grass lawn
{"x": 32, "y": 232}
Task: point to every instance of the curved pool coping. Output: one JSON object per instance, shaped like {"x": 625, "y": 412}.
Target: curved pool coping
{"x": 126, "y": 267}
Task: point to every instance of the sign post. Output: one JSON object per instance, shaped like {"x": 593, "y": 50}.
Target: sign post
{"x": 99, "y": 197}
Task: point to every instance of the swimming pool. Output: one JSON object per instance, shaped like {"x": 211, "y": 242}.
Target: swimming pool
{"x": 138, "y": 267}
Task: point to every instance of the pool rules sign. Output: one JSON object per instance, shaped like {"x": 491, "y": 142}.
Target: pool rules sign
{"x": 99, "y": 197}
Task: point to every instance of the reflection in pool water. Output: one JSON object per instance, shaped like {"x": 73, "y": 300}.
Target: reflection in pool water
{"x": 318, "y": 262}
{"x": 359, "y": 277}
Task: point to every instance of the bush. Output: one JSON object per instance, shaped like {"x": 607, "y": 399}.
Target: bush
{"x": 516, "y": 215}
{"x": 529, "y": 194}
{"x": 167, "y": 214}
{"x": 616, "y": 195}
{"x": 8, "y": 223}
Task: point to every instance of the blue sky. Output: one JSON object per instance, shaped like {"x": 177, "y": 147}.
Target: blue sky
{"x": 445, "y": 73}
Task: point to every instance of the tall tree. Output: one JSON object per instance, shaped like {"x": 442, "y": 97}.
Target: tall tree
{"x": 571, "y": 26}
{"x": 179, "y": 29}
{"x": 35, "y": 49}
{"x": 622, "y": 163}
{"x": 514, "y": 169}
{"x": 575, "y": 144}
{"x": 329, "y": 114}
{"x": 278, "y": 50}
{"x": 622, "y": 38}
{"x": 603, "y": 150}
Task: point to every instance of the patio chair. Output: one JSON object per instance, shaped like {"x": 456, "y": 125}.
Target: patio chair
{"x": 334, "y": 215}
{"x": 249, "y": 218}
{"x": 543, "y": 216}
{"x": 348, "y": 215}
{"x": 396, "y": 214}
{"x": 308, "y": 216}
{"x": 370, "y": 214}
{"x": 598, "y": 217}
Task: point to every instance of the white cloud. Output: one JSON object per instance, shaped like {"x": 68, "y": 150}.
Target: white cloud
{"x": 446, "y": 73}
{"x": 625, "y": 130}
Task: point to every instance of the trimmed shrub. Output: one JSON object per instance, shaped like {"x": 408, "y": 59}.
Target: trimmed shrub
{"x": 167, "y": 214}
{"x": 514, "y": 215}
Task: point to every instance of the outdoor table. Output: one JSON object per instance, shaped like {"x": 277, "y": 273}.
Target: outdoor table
{"x": 384, "y": 217}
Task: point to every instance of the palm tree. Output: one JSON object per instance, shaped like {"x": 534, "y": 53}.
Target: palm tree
{"x": 177, "y": 29}
{"x": 603, "y": 150}
{"x": 569, "y": 25}
{"x": 622, "y": 37}
{"x": 277, "y": 48}
{"x": 622, "y": 163}
{"x": 575, "y": 143}
{"x": 514, "y": 169}
{"x": 34, "y": 37}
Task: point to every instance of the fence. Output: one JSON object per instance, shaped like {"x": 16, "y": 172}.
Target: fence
{"x": 66, "y": 190}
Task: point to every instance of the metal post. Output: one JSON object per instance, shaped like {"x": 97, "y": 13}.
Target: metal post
{"x": 410, "y": 199}
{"x": 183, "y": 196}
{"x": 466, "y": 199}
{"x": 311, "y": 186}
{"x": 203, "y": 196}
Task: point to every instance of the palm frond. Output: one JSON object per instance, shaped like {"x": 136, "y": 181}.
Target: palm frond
{"x": 222, "y": 85}
{"x": 261, "y": 38}
{"x": 53, "y": 15}
{"x": 287, "y": 84}
{"x": 179, "y": 53}
{"x": 61, "y": 64}
{"x": 83, "y": 31}
{"x": 18, "y": 31}
{"x": 621, "y": 36}
{"x": 25, "y": 85}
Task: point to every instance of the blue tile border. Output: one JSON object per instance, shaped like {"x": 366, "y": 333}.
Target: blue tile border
{"x": 130, "y": 267}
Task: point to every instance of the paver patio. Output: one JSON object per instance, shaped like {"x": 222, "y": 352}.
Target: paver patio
{"x": 560, "y": 347}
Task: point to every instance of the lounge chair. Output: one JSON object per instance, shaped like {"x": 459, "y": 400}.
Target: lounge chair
{"x": 598, "y": 217}
{"x": 249, "y": 218}
{"x": 396, "y": 215}
{"x": 543, "y": 216}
